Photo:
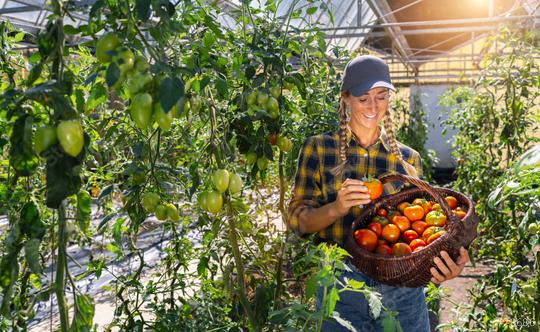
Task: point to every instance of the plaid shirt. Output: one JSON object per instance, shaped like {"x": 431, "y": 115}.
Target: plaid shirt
{"x": 315, "y": 186}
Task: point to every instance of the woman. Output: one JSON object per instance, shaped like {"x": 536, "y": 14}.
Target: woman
{"x": 328, "y": 193}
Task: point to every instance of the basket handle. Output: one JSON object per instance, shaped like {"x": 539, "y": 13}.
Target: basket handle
{"x": 422, "y": 185}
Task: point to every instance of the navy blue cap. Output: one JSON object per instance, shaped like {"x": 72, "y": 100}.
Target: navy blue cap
{"x": 365, "y": 72}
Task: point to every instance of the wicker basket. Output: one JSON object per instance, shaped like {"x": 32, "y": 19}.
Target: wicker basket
{"x": 413, "y": 270}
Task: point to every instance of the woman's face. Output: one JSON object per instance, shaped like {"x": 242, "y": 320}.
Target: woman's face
{"x": 368, "y": 109}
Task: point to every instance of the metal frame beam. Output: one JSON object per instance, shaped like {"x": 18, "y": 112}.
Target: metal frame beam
{"x": 20, "y": 9}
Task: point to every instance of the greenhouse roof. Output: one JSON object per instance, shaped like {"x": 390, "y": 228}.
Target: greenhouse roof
{"x": 427, "y": 41}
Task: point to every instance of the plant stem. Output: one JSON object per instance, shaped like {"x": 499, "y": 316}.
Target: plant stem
{"x": 60, "y": 270}
{"x": 240, "y": 270}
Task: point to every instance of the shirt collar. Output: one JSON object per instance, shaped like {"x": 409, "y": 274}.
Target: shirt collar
{"x": 383, "y": 138}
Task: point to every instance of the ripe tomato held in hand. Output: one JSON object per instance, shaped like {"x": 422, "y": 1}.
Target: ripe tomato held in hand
{"x": 436, "y": 218}
{"x": 414, "y": 212}
{"x": 400, "y": 249}
{"x": 402, "y": 222}
{"x": 375, "y": 188}
{"x": 375, "y": 227}
{"x": 366, "y": 239}
{"x": 409, "y": 235}
{"x": 391, "y": 233}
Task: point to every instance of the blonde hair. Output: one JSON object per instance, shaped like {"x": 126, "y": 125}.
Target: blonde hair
{"x": 344, "y": 140}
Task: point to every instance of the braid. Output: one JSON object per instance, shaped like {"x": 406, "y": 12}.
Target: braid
{"x": 409, "y": 169}
{"x": 344, "y": 138}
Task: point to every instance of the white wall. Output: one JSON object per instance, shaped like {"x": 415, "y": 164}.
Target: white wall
{"x": 429, "y": 97}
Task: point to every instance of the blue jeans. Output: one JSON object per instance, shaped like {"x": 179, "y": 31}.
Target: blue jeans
{"x": 410, "y": 303}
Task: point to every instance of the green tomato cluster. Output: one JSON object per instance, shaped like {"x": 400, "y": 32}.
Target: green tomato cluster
{"x": 68, "y": 133}
{"x": 223, "y": 181}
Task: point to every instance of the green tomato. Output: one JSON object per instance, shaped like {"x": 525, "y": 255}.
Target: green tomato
{"x": 272, "y": 107}
{"x": 149, "y": 201}
{"x": 262, "y": 163}
{"x": 275, "y": 91}
{"x": 164, "y": 120}
{"x": 251, "y": 158}
{"x": 161, "y": 212}
{"x": 137, "y": 82}
{"x": 141, "y": 65}
{"x": 262, "y": 98}
{"x": 70, "y": 134}
{"x": 105, "y": 47}
{"x": 251, "y": 98}
{"x": 124, "y": 59}
{"x": 288, "y": 85}
{"x": 534, "y": 228}
{"x": 284, "y": 144}
{"x": 141, "y": 110}
{"x": 196, "y": 104}
{"x": 202, "y": 199}
{"x": 45, "y": 137}
{"x": 214, "y": 202}
{"x": 172, "y": 212}
{"x": 221, "y": 180}
{"x": 235, "y": 184}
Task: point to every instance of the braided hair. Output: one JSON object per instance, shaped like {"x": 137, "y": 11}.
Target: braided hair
{"x": 344, "y": 140}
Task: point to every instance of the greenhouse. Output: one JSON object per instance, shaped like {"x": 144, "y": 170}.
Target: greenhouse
{"x": 270, "y": 165}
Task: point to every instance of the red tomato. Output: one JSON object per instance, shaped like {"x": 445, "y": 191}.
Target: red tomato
{"x": 400, "y": 249}
{"x": 436, "y": 218}
{"x": 391, "y": 233}
{"x": 409, "y": 235}
{"x": 419, "y": 226}
{"x": 393, "y": 213}
{"x": 366, "y": 239}
{"x": 381, "y": 241}
{"x": 376, "y": 228}
{"x": 402, "y": 222}
{"x": 380, "y": 220}
{"x": 383, "y": 249}
{"x": 452, "y": 201}
{"x": 414, "y": 212}
{"x": 401, "y": 206}
{"x": 375, "y": 188}
{"x": 382, "y": 212}
{"x": 417, "y": 243}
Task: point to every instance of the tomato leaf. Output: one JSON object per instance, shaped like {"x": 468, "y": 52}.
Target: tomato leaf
{"x": 170, "y": 90}
{"x": 143, "y": 9}
{"x": 63, "y": 178}
{"x": 112, "y": 75}
{"x": 84, "y": 313}
{"x": 222, "y": 88}
{"x": 22, "y": 157}
{"x": 332, "y": 300}
{"x": 31, "y": 252}
{"x": 84, "y": 202}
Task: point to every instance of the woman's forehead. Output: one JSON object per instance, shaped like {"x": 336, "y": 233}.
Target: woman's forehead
{"x": 376, "y": 91}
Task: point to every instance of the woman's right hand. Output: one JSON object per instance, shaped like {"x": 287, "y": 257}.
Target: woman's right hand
{"x": 352, "y": 193}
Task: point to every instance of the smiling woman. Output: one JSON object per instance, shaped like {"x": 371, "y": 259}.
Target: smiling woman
{"x": 328, "y": 193}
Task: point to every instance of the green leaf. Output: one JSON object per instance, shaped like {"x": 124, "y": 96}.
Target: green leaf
{"x": 311, "y": 10}
{"x": 31, "y": 252}
{"x": 355, "y": 284}
{"x": 84, "y": 314}
{"x": 22, "y": 157}
{"x": 332, "y": 300}
{"x": 389, "y": 323}
{"x": 112, "y": 75}
{"x": 63, "y": 176}
{"x": 311, "y": 286}
{"x": 30, "y": 221}
{"x": 142, "y": 7}
{"x": 170, "y": 91}
{"x": 84, "y": 202}
{"x": 375, "y": 304}
{"x": 222, "y": 88}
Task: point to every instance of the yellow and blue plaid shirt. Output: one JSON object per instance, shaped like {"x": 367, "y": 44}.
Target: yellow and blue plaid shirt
{"x": 315, "y": 185}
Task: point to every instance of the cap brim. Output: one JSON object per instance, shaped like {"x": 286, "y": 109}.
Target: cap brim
{"x": 363, "y": 88}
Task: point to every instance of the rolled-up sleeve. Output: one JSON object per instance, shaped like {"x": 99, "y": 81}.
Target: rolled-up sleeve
{"x": 306, "y": 193}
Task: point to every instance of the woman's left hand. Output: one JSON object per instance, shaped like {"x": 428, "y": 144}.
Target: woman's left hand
{"x": 447, "y": 268}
